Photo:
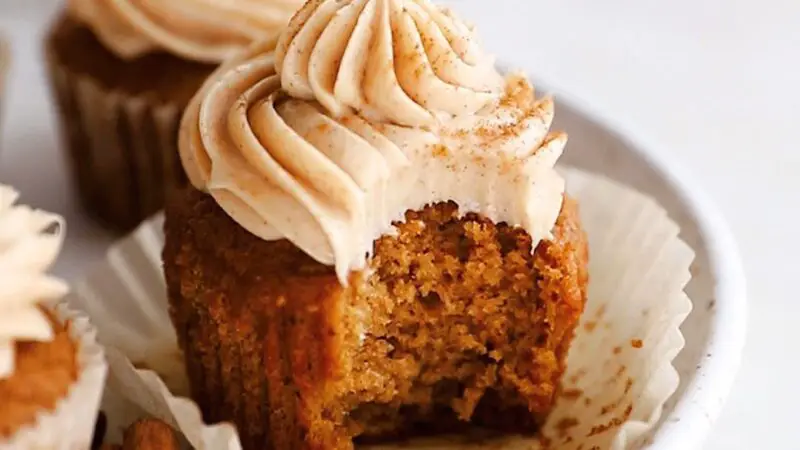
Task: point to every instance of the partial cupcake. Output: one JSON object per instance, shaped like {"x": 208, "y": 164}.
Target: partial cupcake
{"x": 122, "y": 72}
{"x": 147, "y": 434}
{"x": 51, "y": 368}
{"x": 376, "y": 243}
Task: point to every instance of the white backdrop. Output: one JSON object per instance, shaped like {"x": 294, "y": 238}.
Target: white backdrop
{"x": 717, "y": 82}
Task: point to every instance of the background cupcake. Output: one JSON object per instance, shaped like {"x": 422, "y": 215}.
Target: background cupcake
{"x": 122, "y": 73}
{"x": 51, "y": 368}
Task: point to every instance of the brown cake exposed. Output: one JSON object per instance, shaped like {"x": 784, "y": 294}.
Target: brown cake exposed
{"x": 146, "y": 434}
{"x": 455, "y": 323}
{"x": 43, "y": 374}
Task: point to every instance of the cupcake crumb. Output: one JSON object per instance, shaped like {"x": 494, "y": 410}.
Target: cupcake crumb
{"x": 564, "y": 425}
{"x": 616, "y": 422}
{"x": 572, "y": 394}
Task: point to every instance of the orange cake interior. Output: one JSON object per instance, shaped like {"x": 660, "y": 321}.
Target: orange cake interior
{"x": 456, "y": 322}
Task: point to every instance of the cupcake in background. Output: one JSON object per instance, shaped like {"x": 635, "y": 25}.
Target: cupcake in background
{"x": 122, "y": 72}
{"x": 51, "y": 368}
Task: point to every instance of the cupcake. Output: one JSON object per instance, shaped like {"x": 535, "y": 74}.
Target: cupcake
{"x": 121, "y": 75}
{"x": 51, "y": 368}
{"x": 375, "y": 243}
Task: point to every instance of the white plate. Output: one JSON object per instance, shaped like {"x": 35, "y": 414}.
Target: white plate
{"x": 715, "y": 330}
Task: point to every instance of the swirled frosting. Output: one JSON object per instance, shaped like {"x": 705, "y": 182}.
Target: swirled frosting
{"x": 400, "y": 61}
{"x": 199, "y": 30}
{"x": 28, "y": 247}
{"x": 356, "y": 118}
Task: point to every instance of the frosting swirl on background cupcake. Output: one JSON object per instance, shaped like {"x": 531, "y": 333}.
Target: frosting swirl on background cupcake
{"x": 29, "y": 243}
{"x": 328, "y": 140}
{"x": 199, "y": 30}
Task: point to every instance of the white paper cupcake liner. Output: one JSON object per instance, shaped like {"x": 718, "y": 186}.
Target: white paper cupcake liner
{"x": 619, "y": 368}
{"x": 70, "y": 426}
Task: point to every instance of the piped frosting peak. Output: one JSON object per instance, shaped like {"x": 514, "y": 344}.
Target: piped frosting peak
{"x": 407, "y": 62}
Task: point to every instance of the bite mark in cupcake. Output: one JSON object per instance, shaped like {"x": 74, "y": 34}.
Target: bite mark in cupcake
{"x": 329, "y": 153}
{"x": 376, "y": 244}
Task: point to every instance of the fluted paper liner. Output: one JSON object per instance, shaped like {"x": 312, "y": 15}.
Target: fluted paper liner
{"x": 70, "y": 426}
{"x": 619, "y": 372}
{"x": 122, "y": 148}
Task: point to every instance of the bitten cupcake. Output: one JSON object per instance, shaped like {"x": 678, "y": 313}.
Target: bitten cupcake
{"x": 122, "y": 72}
{"x": 376, "y": 243}
{"x": 51, "y": 368}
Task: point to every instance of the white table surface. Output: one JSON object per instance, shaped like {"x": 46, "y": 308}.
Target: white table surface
{"x": 715, "y": 81}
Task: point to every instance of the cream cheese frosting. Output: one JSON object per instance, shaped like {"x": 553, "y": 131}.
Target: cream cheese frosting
{"x": 364, "y": 110}
{"x": 29, "y": 243}
{"x": 199, "y": 30}
{"x": 397, "y": 61}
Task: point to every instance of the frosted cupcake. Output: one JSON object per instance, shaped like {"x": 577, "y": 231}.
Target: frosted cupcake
{"x": 51, "y": 368}
{"x": 376, "y": 243}
{"x": 122, "y": 72}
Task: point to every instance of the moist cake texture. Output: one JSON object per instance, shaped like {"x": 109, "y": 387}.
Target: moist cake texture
{"x": 456, "y": 323}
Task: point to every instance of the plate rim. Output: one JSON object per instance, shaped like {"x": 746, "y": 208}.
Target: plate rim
{"x": 689, "y": 422}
